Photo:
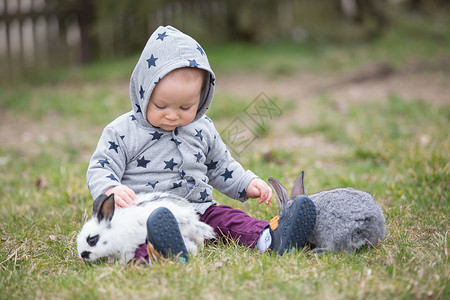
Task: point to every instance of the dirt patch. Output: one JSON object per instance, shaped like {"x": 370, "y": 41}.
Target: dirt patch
{"x": 369, "y": 83}
{"x": 428, "y": 82}
{"x": 426, "y": 86}
{"x": 51, "y": 135}
{"x": 416, "y": 81}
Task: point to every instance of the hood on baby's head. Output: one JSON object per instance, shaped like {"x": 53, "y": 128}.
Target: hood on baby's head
{"x": 167, "y": 49}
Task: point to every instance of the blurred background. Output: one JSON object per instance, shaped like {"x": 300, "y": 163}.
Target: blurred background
{"x": 362, "y": 90}
{"x": 44, "y": 34}
{"x": 65, "y": 67}
{"x": 66, "y": 64}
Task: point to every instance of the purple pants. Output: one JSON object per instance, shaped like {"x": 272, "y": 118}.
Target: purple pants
{"x": 227, "y": 222}
{"x": 234, "y": 223}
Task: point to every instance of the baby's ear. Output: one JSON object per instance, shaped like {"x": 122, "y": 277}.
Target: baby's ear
{"x": 299, "y": 187}
{"x": 103, "y": 207}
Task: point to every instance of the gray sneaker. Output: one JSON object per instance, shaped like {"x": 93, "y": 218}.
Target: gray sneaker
{"x": 292, "y": 228}
{"x": 164, "y": 237}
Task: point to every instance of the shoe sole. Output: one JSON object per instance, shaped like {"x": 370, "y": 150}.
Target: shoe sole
{"x": 164, "y": 236}
{"x": 296, "y": 231}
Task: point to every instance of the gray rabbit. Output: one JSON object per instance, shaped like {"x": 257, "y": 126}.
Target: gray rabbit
{"x": 347, "y": 219}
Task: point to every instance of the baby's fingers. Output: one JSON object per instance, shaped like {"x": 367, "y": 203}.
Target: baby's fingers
{"x": 268, "y": 199}
{"x": 120, "y": 202}
{"x": 131, "y": 194}
{"x": 123, "y": 199}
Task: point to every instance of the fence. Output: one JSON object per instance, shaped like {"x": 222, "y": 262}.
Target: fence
{"x": 35, "y": 33}
{"x": 39, "y": 34}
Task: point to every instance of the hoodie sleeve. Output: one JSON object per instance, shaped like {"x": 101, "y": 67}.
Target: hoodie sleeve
{"x": 107, "y": 164}
{"x": 225, "y": 173}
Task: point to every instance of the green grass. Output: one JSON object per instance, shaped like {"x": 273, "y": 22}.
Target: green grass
{"x": 399, "y": 152}
{"x": 397, "y": 149}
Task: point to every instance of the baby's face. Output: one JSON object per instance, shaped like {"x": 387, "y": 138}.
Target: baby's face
{"x": 175, "y": 99}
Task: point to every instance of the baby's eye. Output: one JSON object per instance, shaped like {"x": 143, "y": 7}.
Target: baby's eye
{"x": 159, "y": 106}
{"x": 185, "y": 108}
{"x": 92, "y": 240}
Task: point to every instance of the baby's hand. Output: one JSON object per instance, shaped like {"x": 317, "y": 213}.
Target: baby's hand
{"x": 259, "y": 188}
{"x": 123, "y": 195}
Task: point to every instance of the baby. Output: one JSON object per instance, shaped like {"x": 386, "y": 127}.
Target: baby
{"x": 167, "y": 143}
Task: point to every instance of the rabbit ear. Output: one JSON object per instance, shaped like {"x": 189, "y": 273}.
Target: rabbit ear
{"x": 97, "y": 203}
{"x": 298, "y": 188}
{"x": 282, "y": 194}
{"x": 103, "y": 207}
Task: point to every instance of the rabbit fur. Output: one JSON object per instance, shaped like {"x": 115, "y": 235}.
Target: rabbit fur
{"x": 117, "y": 233}
{"x": 347, "y": 219}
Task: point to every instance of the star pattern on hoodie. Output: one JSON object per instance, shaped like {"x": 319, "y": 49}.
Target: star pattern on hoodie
{"x": 141, "y": 92}
{"x": 170, "y": 164}
{"x": 152, "y": 61}
{"x": 199, "y": 134}
{"x": 177, "y": 185}
{"x": 161, "y": 36}
{"x": 113, "y": 146}
{"x": 211, "y": 165}
{"x": 103, "y": 162}
{"x": 200, "y": 49}
{"x": 198, "y": 156}
{"x": 177, "y": 142}
{"x": 138, "y": 110}
{"x": 142, "y": 162}
{"x": 242, "y": 193}
{"x": 204, "y": 195}
{"x": 193, "y": 63}
{"x": 112, "y": 177}
{"x": 156, "y": 135}
{"x": 152, "y": 184}
{"x": 133, "y": 117}
{"x": 227, "y": 174}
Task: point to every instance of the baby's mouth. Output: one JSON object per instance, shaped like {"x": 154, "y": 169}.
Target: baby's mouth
{"x": 169, "y": 127}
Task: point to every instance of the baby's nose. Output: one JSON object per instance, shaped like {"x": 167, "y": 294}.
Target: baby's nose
{"x": 171, "y": 116}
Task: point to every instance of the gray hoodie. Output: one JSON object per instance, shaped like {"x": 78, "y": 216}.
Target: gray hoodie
{"x": 188, "y": 161}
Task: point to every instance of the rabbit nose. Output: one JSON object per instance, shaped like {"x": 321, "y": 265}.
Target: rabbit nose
{"x": 85, "y": 254}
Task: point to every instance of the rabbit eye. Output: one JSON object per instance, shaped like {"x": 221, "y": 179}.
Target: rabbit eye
{"x": 92, "y": 240}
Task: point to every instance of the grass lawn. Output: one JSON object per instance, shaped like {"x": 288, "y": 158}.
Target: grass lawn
{"x": 398, "y": 149}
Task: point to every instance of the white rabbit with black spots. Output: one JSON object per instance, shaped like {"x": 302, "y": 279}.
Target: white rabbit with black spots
{"x": 117, "y": 233}
{"x": 347, "y": 219}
